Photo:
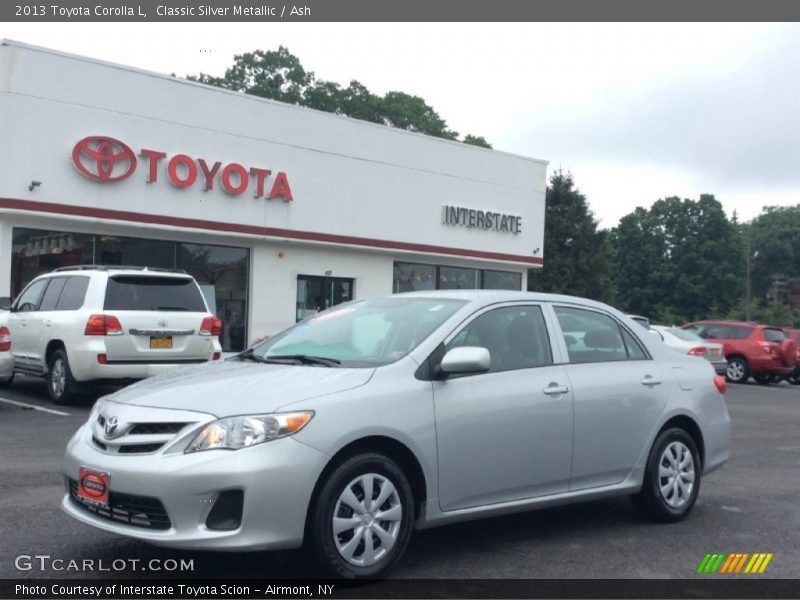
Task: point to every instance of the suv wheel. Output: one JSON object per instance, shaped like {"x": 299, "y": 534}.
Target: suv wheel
{"x": 738, "y": 371}
{"x": 60, "y": 383}
{"x": 671, "y": 478}
{"x": 4, "y": 383}
{"x": 793, "y": 379}
{"x": 361, "y": 522}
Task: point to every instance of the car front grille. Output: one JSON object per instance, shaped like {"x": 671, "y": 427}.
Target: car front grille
{"x": 130, "y": 509}
{"x": 156, "y": 428}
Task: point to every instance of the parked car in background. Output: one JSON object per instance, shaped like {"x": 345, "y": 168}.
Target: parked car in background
{"x": 760, "y": 351}
{"x": 6, "y": 358}
{"x": 794, "y": 376}
{"x": 89, "y": 323}
{"x": 350, "y": 429}
{"x": 686, "y": 342}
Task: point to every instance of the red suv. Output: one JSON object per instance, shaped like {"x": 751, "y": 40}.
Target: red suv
{"x": 764, "y": 352}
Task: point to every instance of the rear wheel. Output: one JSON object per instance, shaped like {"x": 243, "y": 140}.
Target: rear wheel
{"x": 4, "y": 383}
{"x": 793, "y": 379}
{"x": 60, "y": 383}
{"x": 738, "y": 370}
{"x": 672, "y": 477}
{"x": 361, "y": 522}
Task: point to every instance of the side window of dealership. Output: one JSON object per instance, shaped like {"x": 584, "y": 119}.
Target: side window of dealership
{"x": 277, "y": 211}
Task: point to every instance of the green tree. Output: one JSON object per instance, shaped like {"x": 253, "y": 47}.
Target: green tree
{"x": 774, "y": 240}
{"x": 279, "y": 75}
{"x": 577, "y": 255}
{"x": 680, "y": 259}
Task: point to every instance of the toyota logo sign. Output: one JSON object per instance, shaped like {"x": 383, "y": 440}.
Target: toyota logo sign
{"x": 111, "y": 427}
{"x": 103, "y": 159}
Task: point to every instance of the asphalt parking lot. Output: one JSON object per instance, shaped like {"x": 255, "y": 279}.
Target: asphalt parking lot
{"x": 751, "y": 505}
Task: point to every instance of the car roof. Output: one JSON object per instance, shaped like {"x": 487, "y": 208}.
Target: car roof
{"x": 494, "y": 296}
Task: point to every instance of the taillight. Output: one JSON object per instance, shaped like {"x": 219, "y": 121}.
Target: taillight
{"x": 211, "y": 326}
{"x": 766, "y": 347}
{"x": 5, "y": 339}
{"x": 699, "y": 351}
{"x": 103, "y": 325}
{"x": 722, "y": 385}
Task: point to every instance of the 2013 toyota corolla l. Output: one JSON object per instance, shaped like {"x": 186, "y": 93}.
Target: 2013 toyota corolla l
{"x": 370, "y": 419}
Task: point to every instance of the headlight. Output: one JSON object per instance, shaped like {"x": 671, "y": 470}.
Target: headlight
{"x": 233, "y": 433}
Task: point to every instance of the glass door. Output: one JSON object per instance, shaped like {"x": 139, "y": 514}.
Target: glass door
{"x": 316, "y": 293}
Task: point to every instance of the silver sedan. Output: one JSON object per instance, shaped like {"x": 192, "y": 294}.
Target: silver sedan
{"x": 686, "y": 342}
{"x": 377, "y": 417}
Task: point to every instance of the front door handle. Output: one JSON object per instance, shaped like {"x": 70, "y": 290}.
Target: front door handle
{"x": 555, "y": 390}
{"x": 649, "y": 380}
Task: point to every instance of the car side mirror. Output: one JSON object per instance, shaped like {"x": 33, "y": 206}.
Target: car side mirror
{"x": 5, "y": 303}
{"x": 466, "y": 359}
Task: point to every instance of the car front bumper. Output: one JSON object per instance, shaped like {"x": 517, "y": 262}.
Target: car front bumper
{"x": 277, "y": 479}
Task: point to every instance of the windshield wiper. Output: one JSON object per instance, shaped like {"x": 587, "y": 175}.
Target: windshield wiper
{"x": 305, "y": 359}
{"x": 250, "y": 355}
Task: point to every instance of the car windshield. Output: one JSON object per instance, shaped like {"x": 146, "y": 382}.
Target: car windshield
{"x": 366, "y": 333}
{"x": 682, "y": 334}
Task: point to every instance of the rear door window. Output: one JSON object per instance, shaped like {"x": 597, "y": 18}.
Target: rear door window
{"x": 595, "y": 337}
{"x": 73, "y": 294}
{"x": 51, "y": 294}
{"x": 137, "y": 292}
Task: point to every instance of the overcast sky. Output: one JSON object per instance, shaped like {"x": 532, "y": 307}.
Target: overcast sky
{"x": 636, "y": 112}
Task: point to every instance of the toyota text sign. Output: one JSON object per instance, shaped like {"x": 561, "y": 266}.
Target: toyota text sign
{"x": 107, "y": 160}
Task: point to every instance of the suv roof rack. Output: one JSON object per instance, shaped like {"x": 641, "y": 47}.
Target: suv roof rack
{"x": 117, "y": 268}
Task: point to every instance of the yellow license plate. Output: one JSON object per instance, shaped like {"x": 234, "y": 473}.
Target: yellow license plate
{"x": 161, "y": 342}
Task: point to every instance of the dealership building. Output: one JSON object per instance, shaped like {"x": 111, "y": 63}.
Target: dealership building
{"x": 278, "y": 211}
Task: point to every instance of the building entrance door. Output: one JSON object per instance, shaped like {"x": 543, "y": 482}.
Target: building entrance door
{"x": 315, "y": 293}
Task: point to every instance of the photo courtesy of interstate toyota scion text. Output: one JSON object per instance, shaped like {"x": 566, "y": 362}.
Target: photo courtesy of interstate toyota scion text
{"x": 352, "y": 428}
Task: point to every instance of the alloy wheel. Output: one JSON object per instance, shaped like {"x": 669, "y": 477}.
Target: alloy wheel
{"x": 367, "y": 519}
{"x": 58, "y": 377}
{"x": 676, "y": 474}
{"x": 735, "y": 370}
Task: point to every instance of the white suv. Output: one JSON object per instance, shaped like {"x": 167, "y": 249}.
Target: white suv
{"x": 90, "y": 323}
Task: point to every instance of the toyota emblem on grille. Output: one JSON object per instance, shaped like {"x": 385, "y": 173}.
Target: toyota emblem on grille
{"x": 163, "y": 323}
{"x": 111, "y": 426}
{"x": 103, "y": 159}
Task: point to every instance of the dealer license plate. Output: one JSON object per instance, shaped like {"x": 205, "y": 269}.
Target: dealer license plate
{"x": 93, "y": 486}
{"x": 161, "y": 342}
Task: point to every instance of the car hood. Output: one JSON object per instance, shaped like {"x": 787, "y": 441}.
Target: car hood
{"x": 234, "y": 387}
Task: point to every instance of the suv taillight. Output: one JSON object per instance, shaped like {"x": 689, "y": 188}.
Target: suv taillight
{"x": 699, "y": 351}
{"x": 211, "y": 326}
{"x": 103, "y": 325}
{"x": 5, "y": 339}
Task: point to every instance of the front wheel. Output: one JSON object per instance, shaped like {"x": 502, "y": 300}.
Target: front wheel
{"x": 672, "y": 477}
{"x": 738, "y": 370}
{"x": 361, "y": 522}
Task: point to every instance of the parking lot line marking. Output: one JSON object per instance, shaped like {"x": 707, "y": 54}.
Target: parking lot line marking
{"x": 34, "y": 407}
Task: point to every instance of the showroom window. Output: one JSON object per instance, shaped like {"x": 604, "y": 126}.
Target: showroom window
{"x": 221, "y": 271}
{"x": 413, "y": 277}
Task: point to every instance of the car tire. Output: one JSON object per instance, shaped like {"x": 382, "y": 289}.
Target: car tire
{"x": 738, "y": 370}
{"x": 793, "y": 379}
{"x": 341, "y": 505}
{"x": 665, "y": 497}
{"x": 60, "y": 383}
{"x": 5, "y": 383}
{"x": 763, "y": 378}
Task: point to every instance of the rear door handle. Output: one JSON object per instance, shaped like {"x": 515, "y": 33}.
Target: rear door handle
{"x": 649, "y": 380}
{"x": 555, "y": 390}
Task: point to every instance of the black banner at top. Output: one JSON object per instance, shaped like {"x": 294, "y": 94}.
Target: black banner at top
{"x": 396, "y": 10}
